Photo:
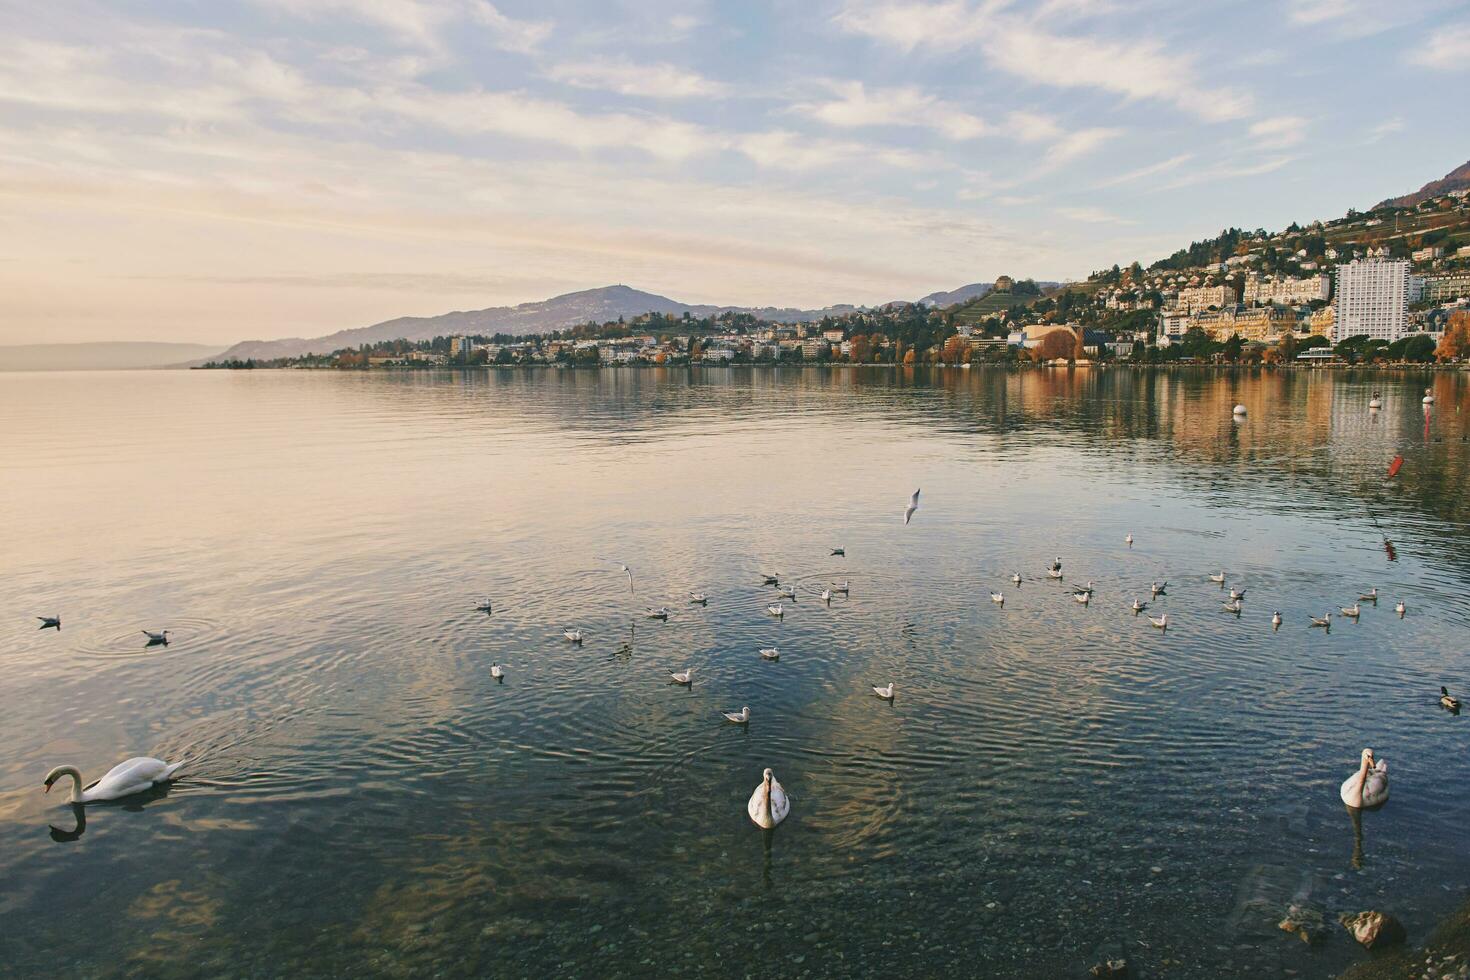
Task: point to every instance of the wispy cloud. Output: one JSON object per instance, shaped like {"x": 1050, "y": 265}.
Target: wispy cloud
{"x": 1092, "y": 215}
{"x": 1358, "y": 18}
{"x": 853, "y": 105}
{"x": 1151, "y": 170}
{"x": 1385, "y": 129}
{"x": 1231, "y": 171}
{"x": 1447, "y": 49}
{"x": 658, "y": 80}
{"x": 1280, "y": 130}
{"x": 423, "y": 22}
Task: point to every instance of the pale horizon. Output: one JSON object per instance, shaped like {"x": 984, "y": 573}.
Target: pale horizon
{"x": 283, "y": 168}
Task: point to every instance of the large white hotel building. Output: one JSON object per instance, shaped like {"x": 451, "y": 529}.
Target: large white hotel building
{"x": 1372, "y": 299}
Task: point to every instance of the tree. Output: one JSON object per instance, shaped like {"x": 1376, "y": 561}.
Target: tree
{"x": 956, "y": 350}
{"x": 1057, "y": 344}
{"x": 861, "y": 349}
{"x": 1456, "y": 340}
{"x": 908, "y": 359}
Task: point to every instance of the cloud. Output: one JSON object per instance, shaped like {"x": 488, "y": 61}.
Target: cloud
{"x": 1385, "y": 129}
{"x": 1231, "y": 171}
{"x": 1280, "y": 130}
{"x": 1077, "y": 144}
{"x": 625, "y": 77}
{"x": 1346, "y": 19}
{"x": 1093, "y": 215}
{"x": 1138, "y": 68}
{"x": 423, "y": 22}
{"x": 856, "y": 106}
{"x": 1447, "y": 49}
{"x": 1151, "y": 170}
{"x": 788, "y": 150}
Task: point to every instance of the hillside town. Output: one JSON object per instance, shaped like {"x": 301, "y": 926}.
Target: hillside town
{"x": 1391, "y": 285}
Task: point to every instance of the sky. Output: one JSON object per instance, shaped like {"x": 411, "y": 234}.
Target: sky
{"x": 210, "y": 171}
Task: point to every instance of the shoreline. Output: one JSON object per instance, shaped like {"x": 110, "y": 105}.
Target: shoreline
{"x": 1446, "y": 951}
{"x": 1008, "y": 366}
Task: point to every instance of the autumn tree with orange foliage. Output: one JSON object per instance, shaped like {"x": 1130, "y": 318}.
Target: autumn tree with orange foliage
{"x": 956, "y": 350}
{"x": 1456, "y": 340}
{"x": 1058, "y": 343}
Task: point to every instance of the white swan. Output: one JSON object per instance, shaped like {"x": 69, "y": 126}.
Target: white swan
{"x": 886, "y": 693}
{"x": 1401, "y": 609}
{"x": 1448, "y": 700}
{"x": 1368, "y": 787}
{"x": 1220, "y": 578}
{"x": 770, "y": 653}
{"x": 683, "y": 676}
{"x": 699, "y": 598}
{"x": 573, "y": 636}
{"x": 740, "y": 717}
{"x": 1275, "y": 620}
{"x": 997, "y": 598}
{"x": 1352, "y": 612}
{"x": 775, "y": 609}
{"x": 124, "y": 779}
{"x": 912, "y": 508}
{"x": 769, "y": 804}
{"x": 1161, "y": 623}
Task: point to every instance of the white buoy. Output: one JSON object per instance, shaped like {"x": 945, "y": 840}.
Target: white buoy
{"x": 1239, "y": 410}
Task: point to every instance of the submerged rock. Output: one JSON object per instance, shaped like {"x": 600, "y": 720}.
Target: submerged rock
{"x": 1111, "y": 968}
{"x": 1374, "y": 929}
{"x": 1307, "y": 924}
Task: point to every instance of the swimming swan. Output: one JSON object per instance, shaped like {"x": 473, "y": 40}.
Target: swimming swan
{"x": 769, "y": 804}
{"x": 124, "y": 779}
{"x": 1368, "y": 787}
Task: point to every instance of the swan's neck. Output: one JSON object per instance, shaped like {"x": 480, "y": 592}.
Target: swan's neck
{"x": 1362, "y": 780}
{"x": 770, "y": 816}
{"x": 76, "y": 784}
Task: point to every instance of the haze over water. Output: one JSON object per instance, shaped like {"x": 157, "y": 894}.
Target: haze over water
{"x": 1053, "y": 782}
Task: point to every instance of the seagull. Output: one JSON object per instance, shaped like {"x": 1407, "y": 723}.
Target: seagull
{"x": 574, "y": 636}
{"x": 1448, "y": 700}
{"x": 1138, "y": 606}
{"x": 1082, "y": 597}
{"x": 1276, "y": 620}
{"x": 1161, "y": 623}
{"x": 1054, "y": 573}
{"x": 1220, "y": 578}
{"x": 1056, "y": 566}
{"x": 684, "y": 677}
{"x": 741, "y": 717}
{"x": 1370, "y": 596}
{"x": 997, "y": 598}
{"x": 1159, "y": 588}
{"x": 49, "y": 622}
{"x": 839, "y": 553}
{"x": 1129, "y": 540}
{"x": 1352, "y": 612}
{"x": 1016, "y": 578}
{"x": 886, "y": 693}
{"x": 908, "y": 512}
{"x": 156, "y": 638}
{"x": 841, "y": 589}
{"x": 662, "y": 612}
{"x": 770, "y": 579}
{"x": 1084, "y": 588}
{"x": 1233, "y": 606}
{"x": 770, "y": 653}
{"x": 497, "y": 672}
{"x": 625, "y": 570}
{"x": 788, "y": 591}
{"x": 699, "y": 598}
{"x": 827, "y": 596}
{"x": 1237, "y": 596}
{"x": 775, "y": 609}
{"x": 484, "y": 607}
{"x": 1325, "y": 622}
{"x": 1401, "y": 609}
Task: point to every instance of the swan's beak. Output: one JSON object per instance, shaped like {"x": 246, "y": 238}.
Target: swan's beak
{"x": 48, "y": 788}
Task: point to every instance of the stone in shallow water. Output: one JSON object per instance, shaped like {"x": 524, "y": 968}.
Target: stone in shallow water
{"x": 1374, "y": 929}
{"x": 1305, "y": 923}
{"x": 1111, "y": 968}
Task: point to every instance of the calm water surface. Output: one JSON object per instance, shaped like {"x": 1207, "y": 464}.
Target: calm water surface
{"x": 1054, "y": 783}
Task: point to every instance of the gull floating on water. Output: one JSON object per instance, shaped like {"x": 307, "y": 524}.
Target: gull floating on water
{"x": 827, "y": 596}
{"x": 908, "y": 512}
{"x": 49, "y": 622}
{"x": 662, "y": 612}
{"x": 124, "y": 779}
{"x": 1233, "y": 606}
{"x": 775, "y": 609}
{"x": 156, "y": 638}
{"x": 683, "y": 676}
{"x": 1376, "y": 401}
{"x": 770, "y": 579}
{"x": 1448, "y": 700}
{"x": 1138, "y": 606}
{"x": 838, "y": 553}
{"x": 770, "y": 653}
{"x": 788, "y": 591}
{"x": 997, "y": 598}
{"x": 1275, "y": 620}
{"x": 1401, "y": 609}
{"x": 886, "y": 693}
{"x": 1088, "y": 588}
{"x": 769, "y": 804}
{"x": 1370, "y": 596}
{"x": 1161, "y": 623}
{"x": 1082, "y": 597}
{"x": 497, "y": 672}
{"x": 1129, "y": 540}
{"x": 574, "y": 636}
{"x": 1352, "y": 612}
{"x": 1159, "y": 588}
{"x": 1237, "y": 596}
{"x": 699, "y": 598}
{"x": 1053, "y": 573}
{"x": 1428, "y": 396}
{"x": 1220, "y": 578}
{"x": 1325, "y": 622}
{"x": 841, "y": 589}
{"x": 1016, "y": 578}
{"x": 741, "y": 717}
{"x": 1368, "y": 787}
{"x": 485, "y": 607}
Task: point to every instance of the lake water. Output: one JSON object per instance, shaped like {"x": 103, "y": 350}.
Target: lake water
{"x": 1053, "y": 783}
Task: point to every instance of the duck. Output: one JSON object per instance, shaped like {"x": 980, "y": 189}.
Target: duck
{"x": 1129, "y": 540}
{"x": 1159, "y": 588}
{"x": 497, "y": 672}
{"x": 662, "y": 612}
{"x": 1368, "y": 787}
{"x": 1448, "y": 700}
{"x": 741, "y": 717}
{"x": 684, "y": 677}
{"x": 1232, "y": 607}
{"x": 573, "y": 636}
{"x": 1401, "y": 609}
{"x": 1352, "y": 612}
{"x": 839, "y": 553}
{"x": 997, "y": 598}
{"x": 769, "y": 804}
{"x": 1138, "y": 606}
{"x": 49, "y": 622}
{"x": 1161, "y": 623}
{"x": 1015, "y": 578}
{"x": 124, "y": 779}
{"x": 699, "y": 598}
{"x": 1218, "y": 578}
{"x": 770, "y": 653}
{"x": 1370, "y": 596}
{"x": 886, "y": 693}
{"x": 1236, "y": 596}
{"x": 1276, "y": 620}
{"x": 156, "y": 638}
{"x": 775, "y": 609}
{"x": 1325, "y": 622}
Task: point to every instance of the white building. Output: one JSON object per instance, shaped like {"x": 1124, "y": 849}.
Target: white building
{"x": 1287, "y": 292}
{"x": 1203, "y": 297}
{"x": 1372, "y": 299}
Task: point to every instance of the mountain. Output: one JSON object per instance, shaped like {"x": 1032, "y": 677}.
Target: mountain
{"x": 568, "y": 310}
{"x": 109, "y": 356}
{"x": 973, "y": 291}
{"x": 1456, "y": 180}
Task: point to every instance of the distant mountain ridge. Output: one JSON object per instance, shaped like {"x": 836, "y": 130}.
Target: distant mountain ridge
{"x": 101, "y": 356}
{"x": 1456, "y": 180}
{"x": 568, "y": 310}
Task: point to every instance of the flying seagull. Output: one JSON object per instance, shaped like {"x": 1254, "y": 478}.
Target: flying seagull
{"x": 626, "y": 571}
{"x": 908, "y": 512}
